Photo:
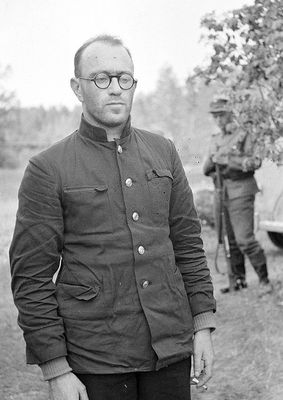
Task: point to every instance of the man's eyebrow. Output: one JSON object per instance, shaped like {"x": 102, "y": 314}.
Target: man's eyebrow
{"x": 92, "y": 74}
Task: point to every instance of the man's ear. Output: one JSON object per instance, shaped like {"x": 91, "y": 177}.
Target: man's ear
{"x": 135, "y": 86}
{"x": 76, "y": 87}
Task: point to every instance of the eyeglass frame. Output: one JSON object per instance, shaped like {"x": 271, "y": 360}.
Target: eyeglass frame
{"x": 110, "y": 76}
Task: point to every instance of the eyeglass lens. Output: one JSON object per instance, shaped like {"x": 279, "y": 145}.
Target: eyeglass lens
{"x": 103, "y": 80}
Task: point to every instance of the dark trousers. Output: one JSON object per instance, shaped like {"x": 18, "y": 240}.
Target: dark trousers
{"x": 239, "y": 221}
{"x": 242, "y": 241}
{"x": 170, "y": 383}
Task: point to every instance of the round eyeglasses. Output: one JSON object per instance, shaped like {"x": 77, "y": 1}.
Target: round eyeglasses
{"x": 103, "y": 80}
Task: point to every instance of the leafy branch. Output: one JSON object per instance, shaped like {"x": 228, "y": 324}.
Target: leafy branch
{"x": 247, "y": 58}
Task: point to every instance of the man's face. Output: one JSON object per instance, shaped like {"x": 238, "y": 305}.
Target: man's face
{"x": 109, "y": 107}
{"x": 222, "y": 118}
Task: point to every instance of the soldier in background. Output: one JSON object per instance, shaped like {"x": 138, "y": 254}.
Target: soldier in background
{"x": 232, "y": 155}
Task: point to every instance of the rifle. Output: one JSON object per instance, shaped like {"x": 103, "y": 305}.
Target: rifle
{"x": 222, "y": 236}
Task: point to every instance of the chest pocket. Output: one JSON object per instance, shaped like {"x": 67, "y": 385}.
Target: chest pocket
{"x": 160, "y": 186}
{"x": 87, "y": 210}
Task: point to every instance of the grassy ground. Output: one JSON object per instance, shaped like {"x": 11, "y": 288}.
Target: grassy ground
{"x": 248, "y": 341}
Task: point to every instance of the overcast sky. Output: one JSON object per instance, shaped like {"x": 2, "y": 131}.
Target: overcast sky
{"x": 38, "y": 38}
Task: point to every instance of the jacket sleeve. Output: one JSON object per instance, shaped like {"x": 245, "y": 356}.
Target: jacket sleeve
{"x": 209, "y": 167}
{"x": 243, "y": 163}
{"x": 35, "y": 256}
{"x": 246, "y": 159}
{"x": 209, "y": 164}
{"x": 185, "y": 233}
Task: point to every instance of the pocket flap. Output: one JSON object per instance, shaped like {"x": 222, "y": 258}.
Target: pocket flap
{"x": 158, "y": 173}
{"x": 78, "y": 189}
{"x": 83, "y": 189}
{"x": 101, "y": 188}
{"x": 80, "y": 292}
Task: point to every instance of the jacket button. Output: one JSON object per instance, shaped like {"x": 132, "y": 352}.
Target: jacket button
{"x": 145, "y": 284}
{"x": 129, "y": 182}
{"x": 141, "y": 250}
{"x": 135, "y": 216}
{"x": 119, "y": 149}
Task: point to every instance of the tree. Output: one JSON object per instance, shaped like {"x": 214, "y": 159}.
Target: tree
{"x": 247, "y": 58}
{"x": 8, "y": 118}
{"x": 164, "y": 109}
{"x": 169, "y": 104}
{"x": 178, "y": 111}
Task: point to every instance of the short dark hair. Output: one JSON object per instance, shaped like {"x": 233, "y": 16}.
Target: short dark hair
{"x": 107, "y": 39}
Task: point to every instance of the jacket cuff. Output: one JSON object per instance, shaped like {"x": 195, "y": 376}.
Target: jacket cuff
{"x": 205, "y": 320}
{"x": 54, "y": 368}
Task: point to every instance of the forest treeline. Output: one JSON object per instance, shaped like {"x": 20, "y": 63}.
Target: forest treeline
{"x": 245, "y": 65}
{"x": 177, "y": 111}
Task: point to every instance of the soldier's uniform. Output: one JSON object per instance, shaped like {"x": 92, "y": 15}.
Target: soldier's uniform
{"x": 233, "y": 153}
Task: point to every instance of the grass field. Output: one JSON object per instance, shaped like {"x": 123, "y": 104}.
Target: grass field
{"x": 248, "y": 341}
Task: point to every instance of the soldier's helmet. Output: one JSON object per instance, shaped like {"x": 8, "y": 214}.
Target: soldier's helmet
{"x": 221, "y": 104}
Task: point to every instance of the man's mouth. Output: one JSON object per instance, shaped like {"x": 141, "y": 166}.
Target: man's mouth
{"x": 116, "y": 103}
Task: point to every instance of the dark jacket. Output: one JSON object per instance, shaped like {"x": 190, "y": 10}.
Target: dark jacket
{"x": 120, "y": 218}
{"x": 231, "y": 151}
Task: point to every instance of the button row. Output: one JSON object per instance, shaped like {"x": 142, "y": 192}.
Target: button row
{"x": 135, "y": 216}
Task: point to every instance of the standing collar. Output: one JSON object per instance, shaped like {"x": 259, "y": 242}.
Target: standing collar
{"x": 98, "y": 134}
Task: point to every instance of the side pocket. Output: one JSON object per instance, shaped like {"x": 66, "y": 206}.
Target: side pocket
{"x": 87, "y": 209}
{"x": 177, "y": 277}
{"x": 79, "y": 292}
{"x": 78, "y": 302}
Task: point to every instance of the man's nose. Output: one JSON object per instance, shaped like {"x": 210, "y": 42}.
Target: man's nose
{"x": 114, "y": 86}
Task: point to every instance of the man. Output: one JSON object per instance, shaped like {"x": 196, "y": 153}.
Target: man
{"x": 112, "y": 206}
{"x": 232, "y": 156}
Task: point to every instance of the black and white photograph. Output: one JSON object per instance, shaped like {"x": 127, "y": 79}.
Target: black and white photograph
{"x": 141, "y": 200}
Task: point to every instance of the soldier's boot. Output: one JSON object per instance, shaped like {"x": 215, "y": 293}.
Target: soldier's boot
{"x": 237, "y": 279}
{"x": 239, "y": 284}
{"x": 242, "y": 283}
{"x": 265, "y": 286}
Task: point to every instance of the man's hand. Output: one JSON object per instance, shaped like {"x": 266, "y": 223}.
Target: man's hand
{"x": 251, "y": 163}
{"x": 222, "y": 159}
{"x": 67, "y": 387}
{"x": 203, "y": 356}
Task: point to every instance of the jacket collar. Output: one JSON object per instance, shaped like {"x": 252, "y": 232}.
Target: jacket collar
{"x": 98, "y": 134}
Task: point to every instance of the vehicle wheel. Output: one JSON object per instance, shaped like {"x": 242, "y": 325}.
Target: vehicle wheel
{"x": 276, "y": 238}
